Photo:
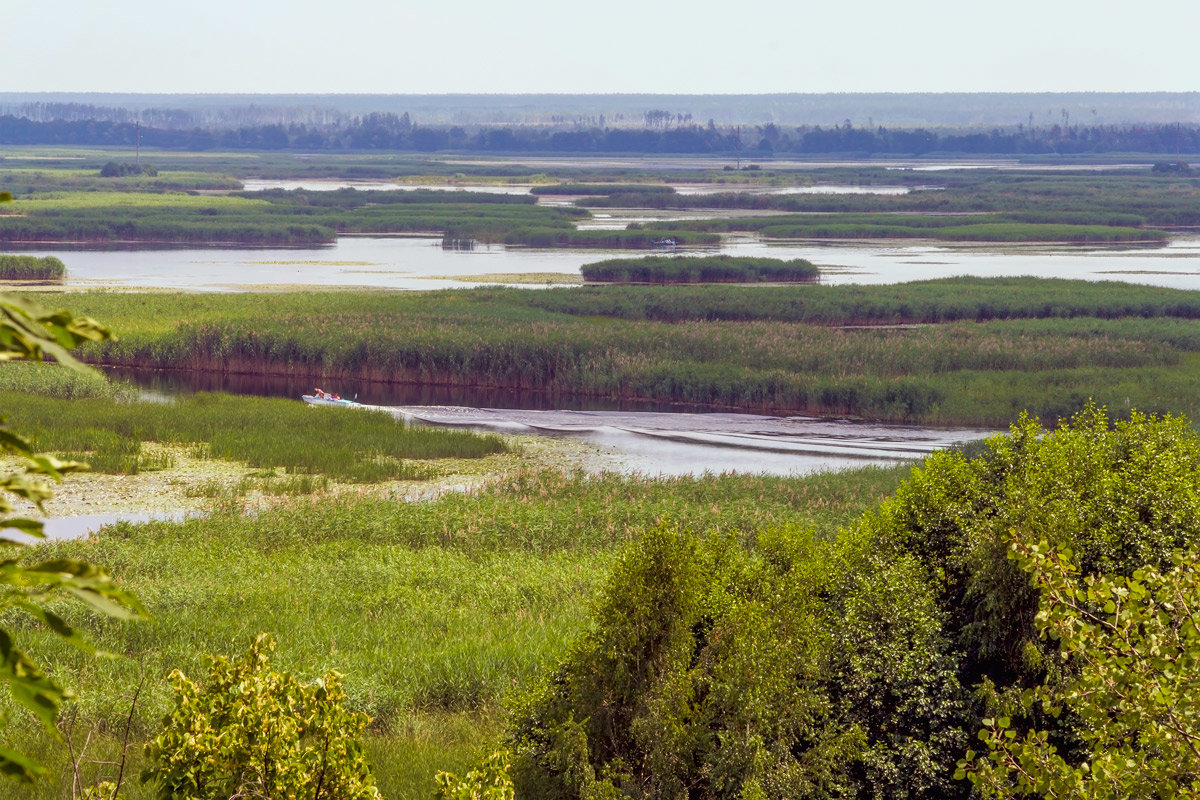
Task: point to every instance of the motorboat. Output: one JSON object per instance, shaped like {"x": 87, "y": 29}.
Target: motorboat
{"x": 327, "y": 399}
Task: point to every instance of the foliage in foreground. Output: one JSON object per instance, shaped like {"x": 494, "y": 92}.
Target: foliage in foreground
{"x": 488, "y": 781}
{"x": 26, "y": 590}
{"x": 251, "y": 731}
{"x": 790, "y": 666}
{"x": 1132, "y": 651}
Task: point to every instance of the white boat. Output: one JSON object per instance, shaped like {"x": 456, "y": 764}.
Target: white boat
{"x": 329, "y": 400}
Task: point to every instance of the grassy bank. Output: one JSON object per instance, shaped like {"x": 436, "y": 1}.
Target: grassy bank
{"x": 809, "y": 349}
{"x": 434, "y": 611}
{"x": 301, "y": 217}
{"x": 354, "y": 445}
{"x": 1005, "y": 228}
{"x": 1084, "y": 197}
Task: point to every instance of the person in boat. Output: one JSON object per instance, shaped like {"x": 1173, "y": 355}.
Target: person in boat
{"x": 320, "y": 395}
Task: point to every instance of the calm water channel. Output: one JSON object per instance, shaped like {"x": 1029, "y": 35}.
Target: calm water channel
{"x": 420, "y": 263}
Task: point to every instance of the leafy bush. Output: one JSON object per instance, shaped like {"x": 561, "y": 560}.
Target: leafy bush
{"x": 488, "y": 781}
{"x": 255, "y": 732}
{"x": 1132, "y": 643}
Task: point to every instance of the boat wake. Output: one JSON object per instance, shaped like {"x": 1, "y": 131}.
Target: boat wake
{"x": 677, "y": 443}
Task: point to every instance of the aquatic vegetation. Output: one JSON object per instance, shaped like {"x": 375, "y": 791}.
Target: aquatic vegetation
{"x": 31, "y": 268}
{"x": 704, "y": 269}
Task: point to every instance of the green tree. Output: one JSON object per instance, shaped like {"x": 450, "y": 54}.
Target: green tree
{"x": 28, "y": 332}
{"x": 1131, "y": 647}
{"x": 782, "y": 668}
{"x": 253, "y": 732}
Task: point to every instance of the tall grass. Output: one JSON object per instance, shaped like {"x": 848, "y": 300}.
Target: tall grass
{"x": 31, "y": 268}
{"x": 52, "y": 380}
{"x": 346, "y": 444}
{"x": 718, "y": 347}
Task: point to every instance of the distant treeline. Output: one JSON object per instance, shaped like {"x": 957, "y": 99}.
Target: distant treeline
{"x": 387, "y": 131}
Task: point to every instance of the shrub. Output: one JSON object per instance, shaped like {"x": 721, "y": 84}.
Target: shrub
{"x": 256, "y": 732}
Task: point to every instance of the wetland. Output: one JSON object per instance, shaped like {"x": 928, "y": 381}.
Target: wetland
{"x": 450, "y": 545}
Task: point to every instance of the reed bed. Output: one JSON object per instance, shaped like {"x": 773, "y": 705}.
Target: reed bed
{"x": 932, "y": 301}
{"x": 602, "y": 189}
{"x": 703, "y": 269}
{"x": 294, "y": 218}
{"x": 31, "y": 268}
{"x": 712, "y": 347}
{"x": 346, "y": 444}
{"x": 47, "y": 379}
{"x": 1084, "y": 198}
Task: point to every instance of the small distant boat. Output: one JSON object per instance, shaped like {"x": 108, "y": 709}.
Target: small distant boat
{"x": 665, "y": 243}
{"x": 321, "y": 398}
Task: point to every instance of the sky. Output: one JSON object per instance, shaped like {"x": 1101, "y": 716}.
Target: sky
{"x": 625, "y": 46}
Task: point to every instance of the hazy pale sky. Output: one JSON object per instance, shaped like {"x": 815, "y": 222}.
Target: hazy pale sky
{"x": 753, "y": 46}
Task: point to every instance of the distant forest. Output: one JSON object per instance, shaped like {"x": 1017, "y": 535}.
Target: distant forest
{"x": 864, "y": 110}
{"x": 662, "y": 132}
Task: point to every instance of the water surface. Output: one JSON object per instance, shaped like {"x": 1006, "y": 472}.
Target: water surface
{"x": 662, "y": 443}
{"x": 418, "y": 263}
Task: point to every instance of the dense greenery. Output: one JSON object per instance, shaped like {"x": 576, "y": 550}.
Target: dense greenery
{"x": 788, "y": 665}
{"x": 714, "y": 346}
{"x": 705, "y": 269}
{"x": 123, "y": 169}
{"x": 432, "y": 611}
{"x": 31, "y": 268}
{"x": 1131, "y": 642}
